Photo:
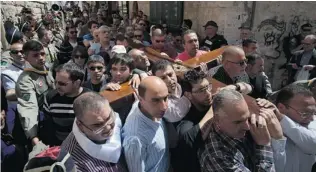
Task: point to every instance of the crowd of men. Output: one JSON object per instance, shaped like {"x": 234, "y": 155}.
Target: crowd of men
{"x": 52, "y": 76}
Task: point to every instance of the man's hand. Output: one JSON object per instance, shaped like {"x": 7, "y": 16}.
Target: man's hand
{"x": 263, "y": 103}
{"x": 244, "y": 87}
{"x": 135, "y": 81}
{"x": 178, "y": 61}
{"x": 294, "y": 66}
{"x": 308, "y": 67}
{"x": 113, "y": 86}
{"x": 203, "y": 67}
{"x": 259, "y": 130}
{"x": 273, "y": 123}
{"x": 35, "y": 141}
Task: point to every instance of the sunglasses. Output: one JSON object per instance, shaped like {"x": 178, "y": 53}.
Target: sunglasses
{"x": 143, "y": 24}
{"x": 160, "y": 41}
{"x": 73, "y": 32}
{"x": 241, "y": 63}
{"x": 78, "y": 56}
{"x": 93, "y": 68}
{"x": 16, "y": 51}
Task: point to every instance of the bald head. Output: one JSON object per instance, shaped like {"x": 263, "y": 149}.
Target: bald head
{"x": 157, "y": 32}
{"x": 152, "y": 84}
{"x": 134, "y": 53}
{"x": 233, "y": 53}
{"x": 89, "y": 102}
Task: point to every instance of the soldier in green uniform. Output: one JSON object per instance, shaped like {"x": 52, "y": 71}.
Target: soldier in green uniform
{"x": 32, "y": 85}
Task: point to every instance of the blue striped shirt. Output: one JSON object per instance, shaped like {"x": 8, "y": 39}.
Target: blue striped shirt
{"x": 145, "y": 143}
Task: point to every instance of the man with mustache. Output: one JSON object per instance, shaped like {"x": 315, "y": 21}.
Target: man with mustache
{"x": 191, "y": 46}
{"x": 178, "y": 105}
{"x": 31, "y": 87}
{"x": 95, "y": 141}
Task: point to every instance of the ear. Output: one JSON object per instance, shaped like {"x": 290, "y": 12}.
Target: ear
{"x": 78, "y": 83}
{"x": 188, "y": 95}
{"x": 282, "y": 108}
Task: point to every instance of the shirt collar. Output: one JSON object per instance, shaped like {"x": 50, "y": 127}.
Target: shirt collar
{"x": 29, "y": 67}
{"x": 153, "y": 124}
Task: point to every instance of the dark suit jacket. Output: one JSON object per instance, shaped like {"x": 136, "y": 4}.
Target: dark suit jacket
{"x": 296, "y": 58}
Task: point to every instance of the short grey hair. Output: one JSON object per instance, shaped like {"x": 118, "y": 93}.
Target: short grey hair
{"x": 96, "y": 59}
{"x": 89, "y": 102}
{"x": 312, "y": 37}
{"x": 226, "y": 97}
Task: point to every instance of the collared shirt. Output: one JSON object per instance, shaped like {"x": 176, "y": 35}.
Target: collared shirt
{"x": 214, "y": 43}
{"x": 300, "y": 146}
{"x": 222, "y": 153}
{"x": 10, "y": 76}
{"x": 178, "y": 106}
{"x": 145, "y": 143}
{"x": 185, "y": 56}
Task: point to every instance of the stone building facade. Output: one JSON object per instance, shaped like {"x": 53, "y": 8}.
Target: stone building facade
{"x": 270, "y": 21}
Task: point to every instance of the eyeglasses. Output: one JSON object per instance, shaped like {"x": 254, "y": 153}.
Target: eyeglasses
{"x": 16, "y": 51}
{"x": 63, "y": 84}
{"x": 73, "y": 32}
{"x": 241, "y": 63}
{"x": 99, "y": 130}
{"x": 204, "y": 89}
{"x": 78, "y": 56}
{"x": 303, "y": 115}
{"x": 93, "y": 68}
{"x": 160, "y": 41}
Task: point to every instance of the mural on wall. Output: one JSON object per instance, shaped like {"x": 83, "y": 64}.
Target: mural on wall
{"x": 272, "y": 31}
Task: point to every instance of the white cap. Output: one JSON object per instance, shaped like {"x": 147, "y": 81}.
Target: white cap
{"x": 118, "y": 49}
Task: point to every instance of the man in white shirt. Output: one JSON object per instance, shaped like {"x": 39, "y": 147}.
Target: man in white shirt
{"x": 296, "y": 109}
{"x": 10, "y": 75}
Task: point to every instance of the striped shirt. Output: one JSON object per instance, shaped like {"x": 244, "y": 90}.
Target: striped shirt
{"x": 86, "y": 163}
{"x": 60, "y": 115}
{"x": 145, "y": 143}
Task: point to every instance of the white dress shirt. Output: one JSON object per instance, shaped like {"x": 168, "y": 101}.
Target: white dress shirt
{"x": 300, "y": 146}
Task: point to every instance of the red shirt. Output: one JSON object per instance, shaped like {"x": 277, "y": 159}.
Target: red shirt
{"x": 185, "y": 56}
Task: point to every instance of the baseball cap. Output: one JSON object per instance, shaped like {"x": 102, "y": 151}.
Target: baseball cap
{"x": 211, "y": 23}
{"x": 118, "y": 49}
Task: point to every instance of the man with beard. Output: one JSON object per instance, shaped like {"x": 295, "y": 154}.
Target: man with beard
{"x": 193, "y": 129}
{"x": 191, "y": 46}
{"x": 32, "y": 85}
{"x": 95, "y": 141}
{"x": 58, "y": 104}
{"x": 258, "y": 79}
{"x": 96, "y": 67}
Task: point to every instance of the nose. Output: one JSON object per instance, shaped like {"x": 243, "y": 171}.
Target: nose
{"x": 163, "y": 105}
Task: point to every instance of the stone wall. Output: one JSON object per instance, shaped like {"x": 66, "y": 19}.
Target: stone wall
{"x": 9, "y": 9}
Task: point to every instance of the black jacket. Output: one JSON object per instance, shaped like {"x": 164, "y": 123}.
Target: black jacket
{"x": 214, "y": 43}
